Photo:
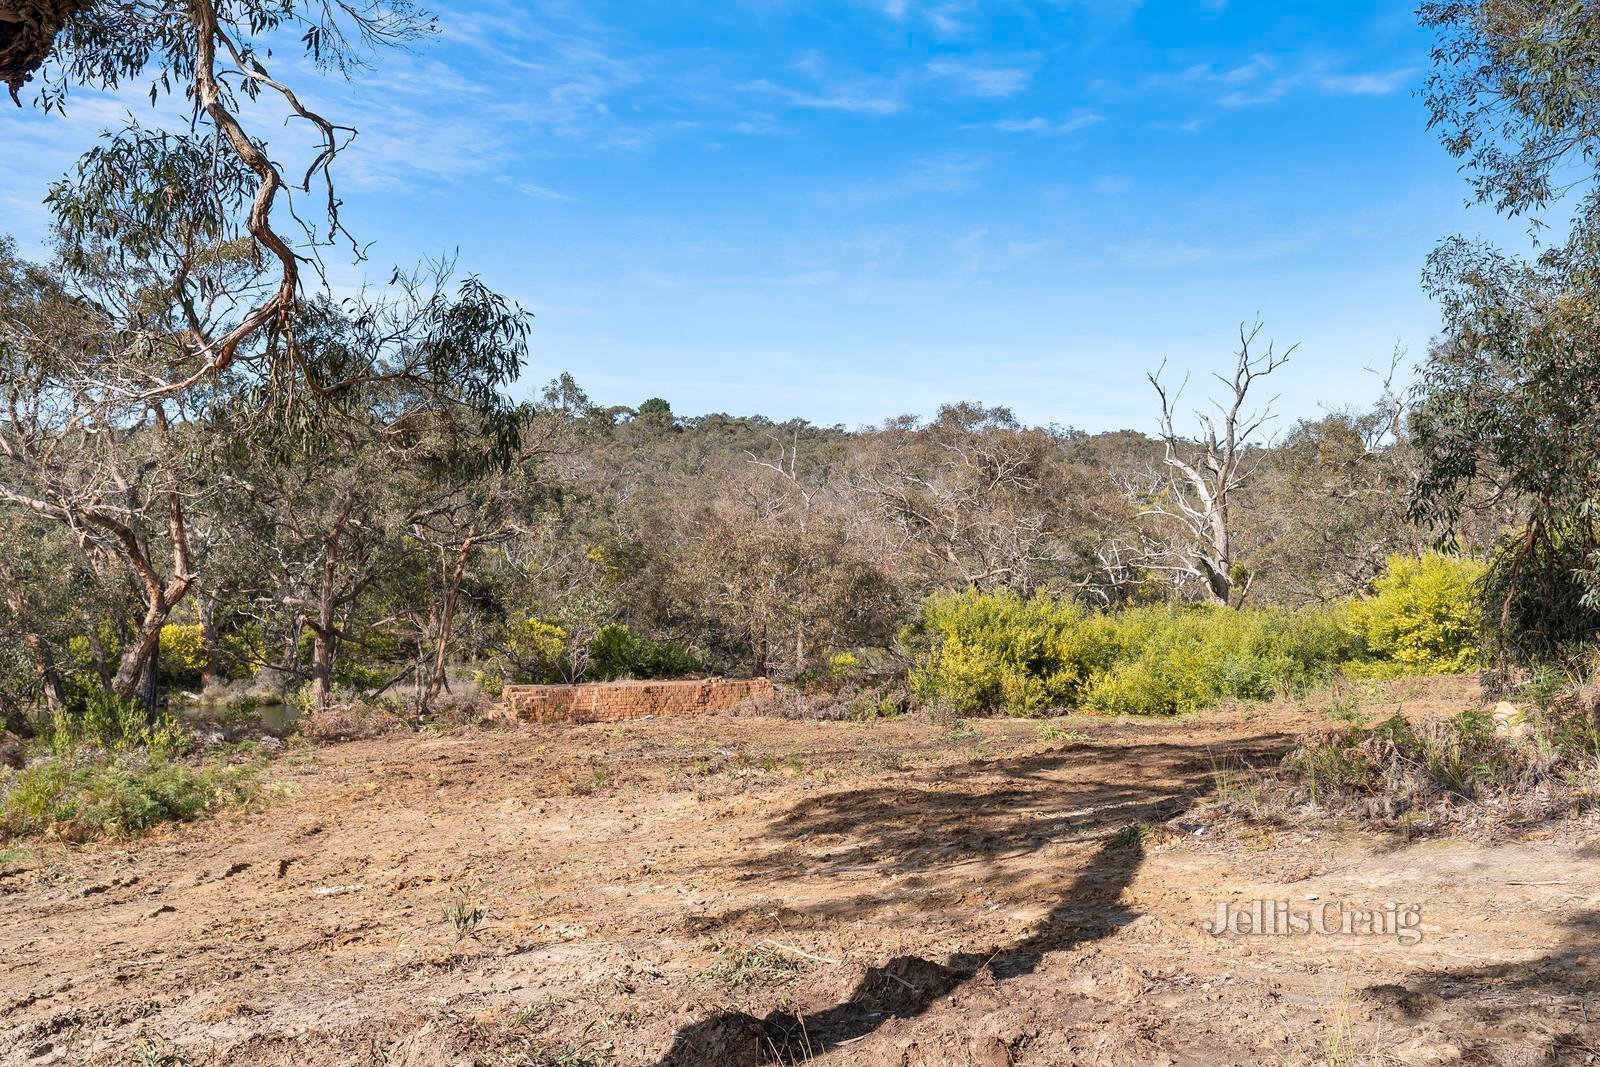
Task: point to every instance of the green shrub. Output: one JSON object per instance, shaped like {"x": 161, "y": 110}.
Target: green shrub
{"x": 1574, "y": 735}
{"x": 618, "y": 652}
{"x": 843, "y": 664}
{"x": 1422, "y": 617}
{"x": 348, "y": 674}
{"x": 986, "y": 652}
{"x": 1537, "y": 596}
{"x": 244, "y": 649}
{"x": 80, "y": 651}
{"x": 1179, "y": 660}
{"x": 532, "y": 651}
{"x": 88, "y": 794}
{"x": 998, "y": 652}
{"x": 103, "y": 720}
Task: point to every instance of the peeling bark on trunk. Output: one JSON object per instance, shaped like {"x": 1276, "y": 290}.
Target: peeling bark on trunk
{"x": 38, "y": 650}
{"x": 452, "y": 593}
{"x": 131, "y": 668}
{"x": 323, "y": 630}
{"x": 207, "y": 610}
{"x": 160, "y": 596}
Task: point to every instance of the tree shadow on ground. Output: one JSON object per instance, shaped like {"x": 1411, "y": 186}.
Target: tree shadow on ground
{"x": 1500, "y": 1001}
{"x": 920, "y": 829}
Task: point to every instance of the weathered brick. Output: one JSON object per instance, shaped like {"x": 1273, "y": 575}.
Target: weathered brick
{"x": 613, "y": 701}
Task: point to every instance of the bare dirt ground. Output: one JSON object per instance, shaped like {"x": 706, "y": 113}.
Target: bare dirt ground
{"x": 733, "y": 891}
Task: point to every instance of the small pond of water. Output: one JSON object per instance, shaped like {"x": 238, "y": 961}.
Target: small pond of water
{"x": 274, "y": 720}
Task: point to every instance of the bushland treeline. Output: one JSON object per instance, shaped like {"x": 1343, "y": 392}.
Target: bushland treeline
{"x": 414, "y": 534}
{"x": 212, "y": 471}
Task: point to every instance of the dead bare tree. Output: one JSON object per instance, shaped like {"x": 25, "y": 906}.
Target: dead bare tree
{"x": 975, "y": 495}
{"x": 1203, "y": 478}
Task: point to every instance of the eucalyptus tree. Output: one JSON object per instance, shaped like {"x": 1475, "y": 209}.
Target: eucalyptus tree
{"x": 1513, "y": 95}
{"x": 1507, "y": 397}
{"x": 322, "y": 533}
{"x": 462, "y": 502}
{"x": 421, "y": 373}
{"x": 39, "y": 604}
{"x": 82, "y": 445}
{"x": 1509, "y": 417}
{"x": 201, "y": 174}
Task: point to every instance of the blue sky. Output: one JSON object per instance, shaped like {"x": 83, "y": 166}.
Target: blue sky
{"x": 847, "y": 210}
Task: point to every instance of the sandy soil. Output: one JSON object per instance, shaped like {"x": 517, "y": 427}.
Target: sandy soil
{"x": 742, "y": 890}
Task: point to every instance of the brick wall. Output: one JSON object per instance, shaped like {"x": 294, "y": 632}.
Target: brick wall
{"x": 613, "y": 701}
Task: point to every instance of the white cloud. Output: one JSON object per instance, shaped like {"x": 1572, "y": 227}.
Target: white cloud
{"x": 939, "y": 174}
{"x": 856, "y": 98}
{"x": 979, "y": 251}
{"x": 1162, "y": 255}
{"x": 1040, "y": 124}
{"x": 1375, "y": 84}
{"x": 1263, "y": 79}
{"x": 947, "y": 18}
{"x": 828, "y": 90}
{"x": 541, "y": 192}
{"x": 976, "y": 78}
{"x": 1166, "y": 254}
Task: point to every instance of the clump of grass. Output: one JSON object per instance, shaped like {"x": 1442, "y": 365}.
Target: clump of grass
{"x": 574, "y": 1055}
{"x": 599, "y": 778}
{"x": 534, "y": 1016}
{"x": 1136, "y": 835}
{"x": 867, "y": 709}
{"x": 155, "y": 1053}
{"x": 1049, "y": 731}
{"x": 741, "y": 966}
{"x": 465, "y": 913}
{"x": 960, "y": 730}
{"x": 1347, "y": 703}
{"x": 15, "y": 856}
{"x": 1432, "y": 773}
{"x": 1243, "y": 789}
{"x": 91, "y": 793}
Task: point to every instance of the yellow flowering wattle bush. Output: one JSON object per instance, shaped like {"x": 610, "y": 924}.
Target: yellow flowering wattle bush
{"x": 1422, "y": 617}
{"x": 182, "y": 650}
{"x": 998, "y": 652}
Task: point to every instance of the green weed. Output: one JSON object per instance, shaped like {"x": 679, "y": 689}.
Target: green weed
{"x": 89, "y": 794}
{"x": 465, "y": 913}
{"x": 1050, "y": 731}
{"x": 156, "y": 1053}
